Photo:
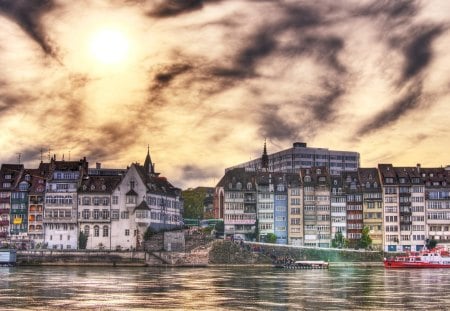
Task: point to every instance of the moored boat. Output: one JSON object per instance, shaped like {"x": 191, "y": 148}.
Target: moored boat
{"x": 435, "y": 258}
{"x": 306, "y": 264}
{"x": 7, "y": 257}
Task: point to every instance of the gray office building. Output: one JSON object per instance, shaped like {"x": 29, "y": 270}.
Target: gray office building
{"x": 300, "y": 156}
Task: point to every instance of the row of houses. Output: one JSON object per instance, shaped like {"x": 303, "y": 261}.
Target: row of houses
{"x": 49, "y": 206}
{"x": 401, "y": 206}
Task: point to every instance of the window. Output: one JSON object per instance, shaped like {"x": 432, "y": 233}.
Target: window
{"x": 86, "y": 214}
{"x": 96, "y": 214}
{"x": 105, "y": 214}
{"x": 127, "y": 232}
{"x": 86, "y": 201}
{"x": 96, "y": 201}
{"x": 124, "y": 215}
{"x": 105, "y": 201}
{"x": 105, "y": 231}
{"x": 132, "y": 184}
{"x": 86, "y": 230}
{"x": 96, "y": 231}
{"x": 115, "y": 200}
{"x": 115, "y": 214}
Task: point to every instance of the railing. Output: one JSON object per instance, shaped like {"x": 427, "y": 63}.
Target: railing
{"x": 4, "y": 210}
{"x": 4, "y": 222}
{"x": 3, "y": 234}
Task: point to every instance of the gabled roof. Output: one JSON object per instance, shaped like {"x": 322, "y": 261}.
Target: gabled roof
{"x": 13, "y": 171}
{"x": 142, "y": 206}
{"x": 99, "y": 184}
{"x": 131, "y": 192}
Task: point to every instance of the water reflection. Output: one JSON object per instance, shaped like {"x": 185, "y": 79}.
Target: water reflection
{"x": 239, "y": 288}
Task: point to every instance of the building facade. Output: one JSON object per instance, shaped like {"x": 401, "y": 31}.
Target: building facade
{"x": 300, "y": 156}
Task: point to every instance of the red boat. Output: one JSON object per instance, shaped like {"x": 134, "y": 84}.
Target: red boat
{"x": 436, "y": 258}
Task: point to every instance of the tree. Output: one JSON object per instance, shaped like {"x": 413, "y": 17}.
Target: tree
{"x": 365, "y": 240}
{"x": 193, "y": 202}
{"x": 430, "y": 243}
{"x": 271, "y": 238}
{"x": 339, "y": 241}
{"x": 82, "y": 240}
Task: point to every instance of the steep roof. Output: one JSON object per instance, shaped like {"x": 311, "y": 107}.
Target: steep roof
{"x": 10, "y": 173}
{"x": 99, "y": 184}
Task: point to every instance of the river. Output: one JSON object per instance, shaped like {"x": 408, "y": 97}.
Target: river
{"x": 222, "y": 288}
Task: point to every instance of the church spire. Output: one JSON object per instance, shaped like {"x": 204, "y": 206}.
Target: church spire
{"x": 148, "y": 165}
{"x": 265, "y": 158}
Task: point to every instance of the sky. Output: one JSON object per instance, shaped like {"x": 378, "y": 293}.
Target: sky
{"x": 204, "y": 82}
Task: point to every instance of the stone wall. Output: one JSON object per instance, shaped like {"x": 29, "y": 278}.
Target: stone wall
{"x": 53, "y": 257}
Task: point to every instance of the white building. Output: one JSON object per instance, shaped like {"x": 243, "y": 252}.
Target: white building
{"x": 60, "y": 211}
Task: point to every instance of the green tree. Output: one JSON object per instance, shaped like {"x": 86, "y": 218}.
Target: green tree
{"x": 430, "y": 243}
{"x": 271, "y": 238}
{"x": 82, "y": 240}
{"x": 365, "y": 241}
{"x": 193, "y": 202}
{"x": 339, "y": 241}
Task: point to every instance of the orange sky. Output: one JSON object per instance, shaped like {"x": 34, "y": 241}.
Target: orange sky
{"x": 204, "y": 82}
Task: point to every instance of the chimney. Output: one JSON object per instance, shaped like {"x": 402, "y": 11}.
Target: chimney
{"x": 418, "y": 167}
{"x": 98, "y": 165}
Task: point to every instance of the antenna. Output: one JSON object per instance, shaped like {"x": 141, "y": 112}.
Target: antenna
{"x": 69, "y": 155}
{"x": 19, "y": 155}
{"x": 49, "y": 154}
{"x": 42, "y": 155}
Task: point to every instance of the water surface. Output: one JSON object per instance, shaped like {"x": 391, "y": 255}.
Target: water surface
{"x": 222, "y": 288}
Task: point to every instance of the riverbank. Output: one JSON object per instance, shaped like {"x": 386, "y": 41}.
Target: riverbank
{"x": 213, "y": 253}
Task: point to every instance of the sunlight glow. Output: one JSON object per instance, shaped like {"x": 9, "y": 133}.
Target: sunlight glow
{"x": 109, "y": 46}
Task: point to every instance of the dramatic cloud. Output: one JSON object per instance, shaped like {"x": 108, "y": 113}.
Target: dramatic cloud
{"x": 205, "y": 82}
{"x": 28, "y": 14}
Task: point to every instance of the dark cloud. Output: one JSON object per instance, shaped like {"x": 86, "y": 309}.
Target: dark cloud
{"x": 166, "y": 74}
{"x": 398, "y": 109}
{"x": 418, "y": 53}
{"x": 273, "y": 125}
{"x": 323, "y": 106}
{"x": 167, "y": 8}
{"x": 196, "y": 172}
{"x": 27, "y": 14}
{"x": 391, "y": 8}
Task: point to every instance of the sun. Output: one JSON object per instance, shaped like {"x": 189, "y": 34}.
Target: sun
{"x": 109, "y": 46}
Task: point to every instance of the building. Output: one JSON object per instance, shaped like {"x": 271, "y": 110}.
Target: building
{"x": 316, "y": 202}
{"x": 143, "y": 200}
{"x": 300, "y": 156}
{"x": 295, "y": 211}
{"x": 9, "y": 177}
{"x": 372, "y": 205}
{"x": 354, "y": 206}
{"x": 94, "y": 209}
{"x": 61, "y": 203}
{"x": 338, "y": 204}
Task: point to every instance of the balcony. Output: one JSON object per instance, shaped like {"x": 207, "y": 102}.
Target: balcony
{"x": 4, "y": 200}
{"x": 3, "y": 235}
{"x": 4, "y": 222}
{"x": 4, "y": 211}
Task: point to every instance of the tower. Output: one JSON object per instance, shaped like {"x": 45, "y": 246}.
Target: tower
{"x": 149, "y": 167}
{"x": 265, "y": 159}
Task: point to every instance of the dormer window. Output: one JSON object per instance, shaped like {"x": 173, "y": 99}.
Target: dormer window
{"x": 230, "y": 186}
{"x": 402, "y": 180}
{"x": 27, "y": 177}
{"x": 375, "y": 185}
{"x": 367, "y": 185}
{"x": 132, "y": 184}
{"x": 249, "y": 186}
{"x": 92, "y": 187}
{"x": 238, "y": 186}
{"x": 307, "y": 178}
{"x": 280, "y": 187}
{"x": 318, "y": 171}
{"x": 23, "y": 186}
{"x": 335, "y": 182}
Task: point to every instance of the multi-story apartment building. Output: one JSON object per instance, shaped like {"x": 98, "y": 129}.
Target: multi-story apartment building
{"x": 295, "y": 212}
{"x": 19, "y": 210}
{"x": 94, "y": 209}
{"x": 316, "y": 202}
{"x": 300, "y": 156}
{"x": 372, "y": 205}
{"x": 354, "y": 206}
{"x": 9, "y": 177}
{"x": 36, "y": 196}
{"x": 338, "y": 213}
{"x": 280, "y": 208}
{"x": 437, "y": 196}
{"x": 60, "y": 211}
{"x": 265, "y": 204}
{"x": 238, "y": 192}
